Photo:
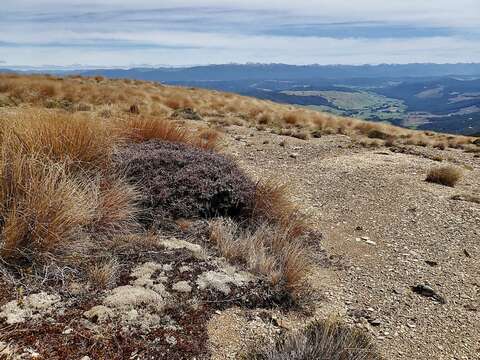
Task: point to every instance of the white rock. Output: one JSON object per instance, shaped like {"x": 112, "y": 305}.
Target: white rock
{"x": 171, "y": 340}
{"x": 99, "y": 313}
{"x": 144, "y": 272}
{"x": 175, "y": 244}
{"x": 33, "y": 305}
{"x": 130, "y": 296}
{"x": 220, "y": 280}
{"x": 182, "y": 286}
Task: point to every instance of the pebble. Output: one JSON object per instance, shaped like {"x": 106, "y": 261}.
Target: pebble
{"x": 294, "y": 155}
{"x": 171, "y": 340}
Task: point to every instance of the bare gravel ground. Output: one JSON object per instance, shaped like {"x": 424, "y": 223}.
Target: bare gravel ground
{"x": 386, "y": 231}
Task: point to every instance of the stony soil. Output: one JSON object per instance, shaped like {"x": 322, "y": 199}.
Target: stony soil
{"x": 386, "y": 230}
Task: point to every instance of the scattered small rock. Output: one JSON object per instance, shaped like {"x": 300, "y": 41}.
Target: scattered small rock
{"x": 171, "y": 340}
{"x": 99, "y": 314}
{"x": 427, "y": 291}
{"x": 67, "y": 331}
{"x": 294, "y": 155}
{"x": 471, "y": 307}
{"x": 431, "y": 263}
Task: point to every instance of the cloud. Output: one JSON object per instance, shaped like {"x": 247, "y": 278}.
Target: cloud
{"x": 116, "y": 32}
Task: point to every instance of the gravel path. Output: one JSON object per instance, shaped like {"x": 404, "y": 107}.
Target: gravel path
{"x": 389, "y": 231}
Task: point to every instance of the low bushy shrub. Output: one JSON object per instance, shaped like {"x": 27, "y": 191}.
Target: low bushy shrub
{"x": 445, "y": 175}
{"x": 181, "y": 181}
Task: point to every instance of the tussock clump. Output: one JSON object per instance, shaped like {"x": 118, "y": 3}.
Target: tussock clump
{"x": 321, "y": 340}
{"x": 134, "y": 109}
{"x": 104, "y": 275}
{"x": 271, "y": 241}
{"x": 272, "y": 204}
{"x": 116, "y": 210}
{"x": 76, "y": 141}
{"x": 181, "y": 181}
{"x": 267, "y": 250}
{"x": 378, "y": 134}
{"x": 53, "y": 190}
{"x": 41, "y": 207}
{"x": 141, "y": 129}
{"x": 186, "y": 113}
{"x": 446, "y": 175}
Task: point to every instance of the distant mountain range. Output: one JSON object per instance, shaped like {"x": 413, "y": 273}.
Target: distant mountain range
{"x": 231, "y": 72}
{"x": 439, "y": 97}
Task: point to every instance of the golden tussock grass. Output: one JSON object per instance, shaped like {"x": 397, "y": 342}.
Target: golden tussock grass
{"x": 267, "y": 250}
{"x": 104, "y": 275}
{"x": 273, "y": 204}
{"x": 445, "y": 175}
{"x": 57, "y": 182}
{"x": 141, "y": 129}
{"x": 273, "y": 244}
{"x": 159, "y": 99}
{"x": 77, "y": 141}
{"x": 41, "y": 206}
{"x": 116, "y": 208}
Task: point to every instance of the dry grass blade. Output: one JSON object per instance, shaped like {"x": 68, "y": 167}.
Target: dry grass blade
{"x": 104, "y": 275}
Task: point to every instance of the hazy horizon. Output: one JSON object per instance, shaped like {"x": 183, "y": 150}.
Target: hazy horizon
{"x": 117, "y": 33}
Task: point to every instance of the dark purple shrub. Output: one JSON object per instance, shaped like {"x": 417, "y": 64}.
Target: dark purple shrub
{"x": 181, "y": 181}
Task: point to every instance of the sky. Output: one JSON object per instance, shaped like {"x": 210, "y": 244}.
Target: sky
{"x": 120, "y": 33}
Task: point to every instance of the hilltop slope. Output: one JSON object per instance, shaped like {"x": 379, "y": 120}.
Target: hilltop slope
{"x": 141, "y": 220}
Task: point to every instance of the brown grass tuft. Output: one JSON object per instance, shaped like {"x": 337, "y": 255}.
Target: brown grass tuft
{"x": 104, "y": 275}
{"x": 76, "y": 141}
{"x": 446, "y": 175}
{"x": 322, "y": 339}
{"x": 116, "y": 209}
{"x": 273, "y": 204}
{"x": 41, "y": 206}
{"x": 141, "y": 129}
{"x": 268, "y": 250}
